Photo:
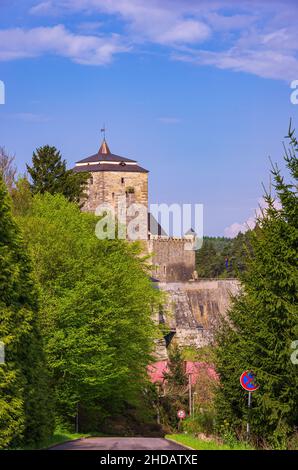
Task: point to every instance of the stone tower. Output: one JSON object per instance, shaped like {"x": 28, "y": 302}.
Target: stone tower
{"x": 113, "y": 177}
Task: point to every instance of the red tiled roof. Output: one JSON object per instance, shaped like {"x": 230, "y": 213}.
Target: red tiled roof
{"x": 157, "y": 370}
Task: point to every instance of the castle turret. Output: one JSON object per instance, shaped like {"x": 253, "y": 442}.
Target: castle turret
{"x": 115, "y": 179}
{"x": 112, "y": 177}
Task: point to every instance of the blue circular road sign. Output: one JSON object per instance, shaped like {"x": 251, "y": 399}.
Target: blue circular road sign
{"x": 248, "y": 381}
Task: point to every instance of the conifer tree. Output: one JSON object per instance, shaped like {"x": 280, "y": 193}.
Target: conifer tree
{"x": 176, "y": 388}
{"x": 263, "y": 321}
{"x": 25, "y": 415}
{"x": 176, "y": 376}
{"x": 49, "y": 174}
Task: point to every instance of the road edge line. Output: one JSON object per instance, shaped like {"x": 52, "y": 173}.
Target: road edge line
{"x": 64, "y": 442}
{"x": 177, "y": 442}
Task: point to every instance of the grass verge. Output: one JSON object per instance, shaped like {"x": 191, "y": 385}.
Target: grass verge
{"x": 61, "y": 436}
{"x": 200, "y": 444}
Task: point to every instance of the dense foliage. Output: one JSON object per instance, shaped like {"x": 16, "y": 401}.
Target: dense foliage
{"x": 25, "y": 407}
{"x": 175, "y": 395}
{"x": 263, "y": 322}
{"x": 49, "y": 174}
{"x": 96, "y": 310}
{"x": 222, "y": 257}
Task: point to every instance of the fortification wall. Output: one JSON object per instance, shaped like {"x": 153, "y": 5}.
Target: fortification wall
{"x": 194, "y": 308}
{"x": 171, "y": 259}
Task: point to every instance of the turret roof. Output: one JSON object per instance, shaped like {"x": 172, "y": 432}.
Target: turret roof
{"x": 104, "y": 160}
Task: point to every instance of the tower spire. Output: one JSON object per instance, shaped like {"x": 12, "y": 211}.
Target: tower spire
{"x": 104, "y": 148}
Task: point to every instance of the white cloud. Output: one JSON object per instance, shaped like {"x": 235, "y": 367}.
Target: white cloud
{"x": 20, "y": 43}
{"x": 159, "y": 22}
{"x": 266, "y": 64}
{"x": 253, "y": 36}
{"x": 184, "y": 32}
{"x": 232, "y": 230}
{"x": 42, "y": 8}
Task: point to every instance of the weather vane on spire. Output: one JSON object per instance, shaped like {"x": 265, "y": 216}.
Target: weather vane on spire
{"x": 103, "y": 131}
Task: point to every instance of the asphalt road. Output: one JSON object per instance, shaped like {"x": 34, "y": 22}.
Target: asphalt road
{"x": 119, "y": 443}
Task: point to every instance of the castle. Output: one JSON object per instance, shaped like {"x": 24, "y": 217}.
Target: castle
{"x": 193, "y": 305}
{"x": 113, "y": 178}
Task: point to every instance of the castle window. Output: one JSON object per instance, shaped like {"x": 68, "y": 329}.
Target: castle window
{"x": 113, "y": 196}
{"x": 122, "y": 180}
{"x": 91, "y": 180}
{"x": 165, "y": 269}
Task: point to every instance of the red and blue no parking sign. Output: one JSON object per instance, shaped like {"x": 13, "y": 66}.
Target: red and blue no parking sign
{"x": 248, "y": 381}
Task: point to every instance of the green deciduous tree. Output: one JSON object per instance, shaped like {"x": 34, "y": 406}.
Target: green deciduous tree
{"x": 49, "y": 174}
{"x": 25, "y": 413}
{"x": 97, "y": 302}
{"x": 8, "y": 169}
{"x": 21, "y": 196}
{"x": 263, "y": 321}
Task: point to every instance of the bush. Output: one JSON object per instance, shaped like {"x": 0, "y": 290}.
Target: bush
{"x": 292, "y": 443}
{"x": 200, "y": 423}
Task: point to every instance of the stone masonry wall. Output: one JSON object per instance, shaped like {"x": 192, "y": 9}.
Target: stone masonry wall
{"x": 193, "y": 308}
{"x": 171, "y": 261}
{"x": 107, "y": 186}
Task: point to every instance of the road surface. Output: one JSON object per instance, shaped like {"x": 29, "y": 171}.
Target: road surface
{"x": 119, "y": 443}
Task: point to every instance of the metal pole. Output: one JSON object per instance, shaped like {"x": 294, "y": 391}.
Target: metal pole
{"x": 77, "y": 419}
{"x": 189, "y": 393}
{"x": 158, "y": 413}
{"x": 193, "y": 402}
{"x": 248, "y": 417}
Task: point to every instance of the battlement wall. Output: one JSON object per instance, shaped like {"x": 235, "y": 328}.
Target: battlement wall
{"x": 173, "y": 259}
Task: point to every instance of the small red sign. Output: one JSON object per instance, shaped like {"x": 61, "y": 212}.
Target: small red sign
{"x": 181, "y": 414}
{"x": 248, "y": 381}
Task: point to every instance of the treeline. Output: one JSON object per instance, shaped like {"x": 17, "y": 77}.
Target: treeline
{"x": 222, "y": 257}
{"x": 260, "y": 331}
{"x": 75, "y": 311}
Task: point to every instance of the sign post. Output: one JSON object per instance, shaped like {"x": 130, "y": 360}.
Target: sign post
{"x": 248, "y": 382}
{"x": 181, "y": 415}
{"x": 189, "y": 394}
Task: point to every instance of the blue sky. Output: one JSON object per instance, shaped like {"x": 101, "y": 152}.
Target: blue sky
{"x": 198, "y": 92}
